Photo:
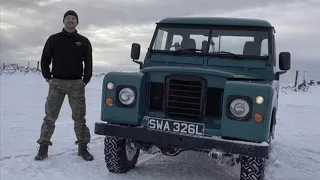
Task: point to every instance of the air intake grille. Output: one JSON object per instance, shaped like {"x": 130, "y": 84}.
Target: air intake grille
{"x": 185, "y": 97}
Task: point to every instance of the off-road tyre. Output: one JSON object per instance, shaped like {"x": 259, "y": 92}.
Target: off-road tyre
{"x": 116, "y": 158}
{"x": 252, "y": 168}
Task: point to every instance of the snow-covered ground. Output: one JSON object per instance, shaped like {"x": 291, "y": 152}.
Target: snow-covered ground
{"x": 295, "y": 154}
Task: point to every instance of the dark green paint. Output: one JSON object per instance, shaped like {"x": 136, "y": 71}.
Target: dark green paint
{"x": 232, "y": 63}
{"x": 121, "y": 114}
{"x": 248, "y": 130}
{"x": 224, "y": 21}
{"x": 178, "y": 59}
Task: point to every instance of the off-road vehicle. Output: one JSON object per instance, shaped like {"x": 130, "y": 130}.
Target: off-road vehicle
{"x": 206, "y": 84}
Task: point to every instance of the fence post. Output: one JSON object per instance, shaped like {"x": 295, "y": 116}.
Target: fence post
{"x": 304, "y": 77}
{"x": 38, "y": 66}
{"x": 296, "y": 80}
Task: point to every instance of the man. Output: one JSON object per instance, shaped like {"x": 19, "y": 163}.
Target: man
{"x": 67, "y": 50}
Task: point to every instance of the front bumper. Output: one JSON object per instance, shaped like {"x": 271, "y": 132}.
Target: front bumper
{"x": 183, "y": 141}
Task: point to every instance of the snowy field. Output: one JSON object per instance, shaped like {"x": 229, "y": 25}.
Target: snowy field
{"x": 295, "y": 154}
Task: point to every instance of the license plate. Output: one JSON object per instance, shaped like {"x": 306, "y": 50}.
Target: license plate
{"x": 175, "y": 126}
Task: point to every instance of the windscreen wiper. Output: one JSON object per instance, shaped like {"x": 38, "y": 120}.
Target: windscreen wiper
{"x": 234, "y": 55}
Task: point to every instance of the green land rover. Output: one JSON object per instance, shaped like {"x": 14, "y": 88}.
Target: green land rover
{"x": 206, "y": 84}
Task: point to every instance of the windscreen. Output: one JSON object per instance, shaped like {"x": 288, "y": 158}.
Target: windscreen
{"x": 250, "y": 42}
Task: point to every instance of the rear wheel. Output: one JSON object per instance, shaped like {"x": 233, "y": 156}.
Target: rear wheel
{"x": 252, "y": 168}
{"x": 121, "y": 155}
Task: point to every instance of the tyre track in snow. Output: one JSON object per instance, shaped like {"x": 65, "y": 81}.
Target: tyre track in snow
{"x": 187, "y": 166}
{"x": 142, "y": 158}
{"x": 61, "y": 165}
{"x": 93, "y": 142}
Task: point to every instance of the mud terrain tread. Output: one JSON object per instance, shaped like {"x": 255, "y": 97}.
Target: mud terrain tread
{"x": 252, "y": 168}
{"x": 115, "y": 155}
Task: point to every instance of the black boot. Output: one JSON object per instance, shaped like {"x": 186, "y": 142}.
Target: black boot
{"x": 84, "y": 153}
{"x": 42, "y": 153}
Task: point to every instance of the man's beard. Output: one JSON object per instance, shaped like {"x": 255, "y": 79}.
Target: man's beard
{"x": 70, "y": 28}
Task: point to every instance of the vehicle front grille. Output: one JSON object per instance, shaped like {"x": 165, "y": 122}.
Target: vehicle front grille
{"x": 185, "y": 97}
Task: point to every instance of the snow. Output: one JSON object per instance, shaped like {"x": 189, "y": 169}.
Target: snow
{"x": 295, "y": 150}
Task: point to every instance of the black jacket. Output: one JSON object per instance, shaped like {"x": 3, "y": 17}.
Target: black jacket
{"x": 67, "y": 52}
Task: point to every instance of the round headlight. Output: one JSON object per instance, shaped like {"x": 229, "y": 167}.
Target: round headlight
{"x": 126, "y": 96}
{"x": 239, "y": 108}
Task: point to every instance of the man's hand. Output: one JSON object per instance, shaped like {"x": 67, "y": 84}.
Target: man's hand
{"x": 48, "y": 80}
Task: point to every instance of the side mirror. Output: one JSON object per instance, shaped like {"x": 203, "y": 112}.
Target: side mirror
{"x": 284, "y": 61}
{"x": 135, "y": 51}
{"x": 135, "y": 54}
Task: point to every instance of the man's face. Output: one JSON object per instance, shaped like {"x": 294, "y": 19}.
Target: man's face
{"x": 70, "y": 22}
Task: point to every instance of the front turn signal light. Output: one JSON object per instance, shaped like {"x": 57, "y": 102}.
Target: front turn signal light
{"x": 109, "y": 101}
{"x": 257, "y": 117}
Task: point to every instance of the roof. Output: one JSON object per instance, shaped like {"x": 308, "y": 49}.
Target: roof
{"x": 217, "y": 21}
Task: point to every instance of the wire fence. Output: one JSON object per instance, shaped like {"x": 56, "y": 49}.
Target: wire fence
{"x": 300, "y": 76}
{"x": 293, "y": 77}
{"x": 34, "y": 66}
{"x": 24, "y": 66}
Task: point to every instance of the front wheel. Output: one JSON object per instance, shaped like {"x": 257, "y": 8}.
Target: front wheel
{"x": 252, "y": 168}
{"x": 121, "y": 155}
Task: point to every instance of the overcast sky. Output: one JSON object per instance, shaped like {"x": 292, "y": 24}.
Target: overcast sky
{"x": 112, "y": 25}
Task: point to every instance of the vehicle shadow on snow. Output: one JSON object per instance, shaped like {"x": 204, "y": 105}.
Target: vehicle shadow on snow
{"x": 187, "y": 165}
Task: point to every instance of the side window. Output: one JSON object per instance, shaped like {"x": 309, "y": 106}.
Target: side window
{"x": 161, "y": 40}
{"x": 274, "y": 51}
{"x": 264, "y": 48}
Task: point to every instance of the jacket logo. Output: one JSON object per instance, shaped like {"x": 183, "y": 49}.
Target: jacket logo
{"x": 78, "y": 43}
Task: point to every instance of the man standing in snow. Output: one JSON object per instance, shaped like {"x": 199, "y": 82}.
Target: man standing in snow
{"x": 67, "y": 50}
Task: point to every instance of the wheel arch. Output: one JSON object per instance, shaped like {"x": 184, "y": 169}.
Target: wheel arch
{"x": 273, "y": 121}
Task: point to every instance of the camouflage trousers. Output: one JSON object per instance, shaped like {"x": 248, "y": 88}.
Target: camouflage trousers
{"x": 58, "y": 89}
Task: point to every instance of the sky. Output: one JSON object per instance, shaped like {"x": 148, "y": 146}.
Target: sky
{"x": 113, "y": 25}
